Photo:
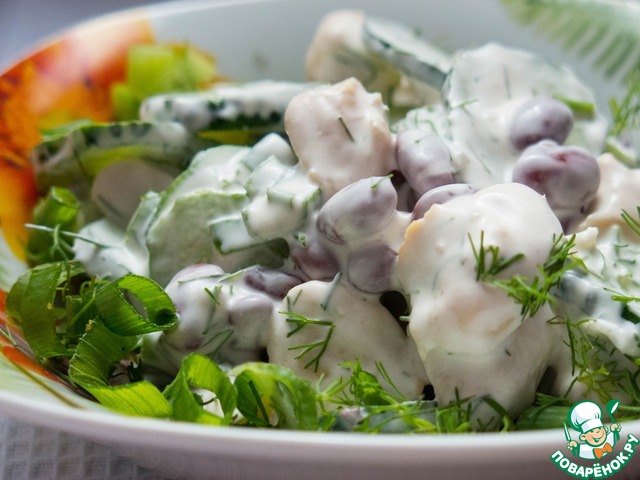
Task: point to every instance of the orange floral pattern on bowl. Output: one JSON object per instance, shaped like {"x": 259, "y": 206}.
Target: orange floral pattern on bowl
{"x": 65, "y": 80}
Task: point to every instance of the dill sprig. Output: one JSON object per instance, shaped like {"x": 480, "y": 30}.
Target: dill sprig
{"x": 592, "y": 364}
{"x": 55, "y": 219}
{"x": 530, "y": 293}
{"x": 299, "y": 322}
{"x": 489, "y": 263}
{"x": 632, "y": 223}
{"x": 362, "y": 388}
{"x": 377, "y": 405}
{"x": 626, "y": 113}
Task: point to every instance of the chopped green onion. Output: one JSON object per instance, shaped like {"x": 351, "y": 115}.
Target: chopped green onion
{"x": 122, "y": 317}
{"x": 198, "y": 371}
{"x": 32, "y": 302}
{"x": 142, "y": 399}
{"x": 97, "y": 352}
{"x": 59, "y": 210}
{"x": 272, "y": 395}
{"x": 580, "y": 109}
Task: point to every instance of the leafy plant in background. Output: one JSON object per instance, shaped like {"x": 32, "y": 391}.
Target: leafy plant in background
{"x": 606, "y": 31}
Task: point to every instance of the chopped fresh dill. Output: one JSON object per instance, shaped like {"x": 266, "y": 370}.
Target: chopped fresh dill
{"x": 626, "y": 310}
{"x": 214, "y": 295}
{"x": 505, "y": 419}
{"x": 59, "y": 248}
{"x": 632, "y": 223}
{"x": 489, "y": 263}
{"x": 626, "y": 112}
{"x": 592, "y": 362}
{"x": 332, "y": 289}
{"x": 259, "y": 404}
{"x": 362, "y": 388}
{"x": 530, "y": 293}
{"x": 463, "y": 105}
{"x": 346, "y": 128}
{"x": 580, "y": 109}
{"x": 300, "y": 322}
{"x": 222, "y": 337}
{"x": 379, "y": 181}
{"x": 368, "y": 405}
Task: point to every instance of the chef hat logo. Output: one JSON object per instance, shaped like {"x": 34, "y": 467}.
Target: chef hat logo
{"x": 585, "y": 416}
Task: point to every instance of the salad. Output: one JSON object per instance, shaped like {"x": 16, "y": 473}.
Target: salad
{"x": 411, "y": 241}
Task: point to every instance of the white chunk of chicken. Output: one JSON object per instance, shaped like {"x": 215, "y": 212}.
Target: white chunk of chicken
{"x": 340, "y": 134}
{"x": 470, "y": 334}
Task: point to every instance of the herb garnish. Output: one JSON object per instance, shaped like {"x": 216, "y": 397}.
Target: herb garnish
{"x": 591, "y": 361}
{"x": 365, "y": 405}
{"x": 532, "y": 293}
{"x": 489, "y": 263}
{"x": 632, "y": 223}
{"x": 346, "y": 129}
{"x": 626, "y": 112}
{"x": 300, "y": 321}
{"x": 601, "y": 30}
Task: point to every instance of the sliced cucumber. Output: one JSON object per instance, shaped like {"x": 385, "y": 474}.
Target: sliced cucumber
{"x": 258, "y": 105}
{"x": 199, "y": 217}
{"x": 73, "y": 157}
{"x": 266, "y": 174}
{"x": 407, "y": 51}
{"x": 218, "y": 169}
{"x": 230, "y": 234}
{"x": 282, "y": 208}
{"x": 117, "y": 188}
{"x": 182, "y": 237}
{"x": 270, "y": 144}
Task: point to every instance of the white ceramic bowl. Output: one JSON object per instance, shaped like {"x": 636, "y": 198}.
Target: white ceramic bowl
{"x": 255, "y": 39}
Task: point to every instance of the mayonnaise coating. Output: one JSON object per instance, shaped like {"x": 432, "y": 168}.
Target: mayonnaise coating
{"x": 219, "y": 317}
{"x": 361, "y": 329}
{"x": 609, "y": 247}
{"x": 465, "y": 328}
{"x": 340, "y": 134}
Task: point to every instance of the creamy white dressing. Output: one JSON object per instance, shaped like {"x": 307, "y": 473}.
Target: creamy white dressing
{"x": 340, "y": 134}
{"x": 219, "y": 317}
{"x": 461, "y": 341}
{"x": 485, "y": 88}
{"x": 109, "y": 251}
{"x": 437, "y": 267}
{"x": 362, "y": 329}
{"x": 610, "y": 250}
